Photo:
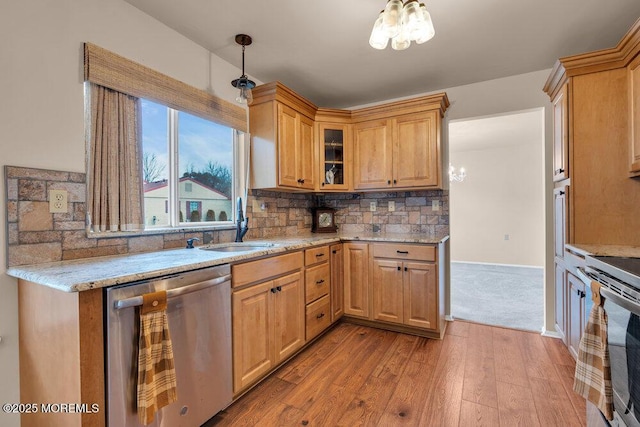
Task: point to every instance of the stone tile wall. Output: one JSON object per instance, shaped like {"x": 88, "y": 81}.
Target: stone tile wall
{"x": 35, "y": 236}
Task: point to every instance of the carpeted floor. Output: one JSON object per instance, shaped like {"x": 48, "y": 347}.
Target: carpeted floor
{"x": 497, "y": 295}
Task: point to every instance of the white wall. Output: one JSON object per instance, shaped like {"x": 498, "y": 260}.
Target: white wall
{"x": 502, "y": 195}
{"x": 41, "y": 109}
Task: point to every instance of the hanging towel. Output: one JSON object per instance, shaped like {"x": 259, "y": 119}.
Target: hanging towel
{"x": 156, "y": 372}
{"x": 593, "y": 366}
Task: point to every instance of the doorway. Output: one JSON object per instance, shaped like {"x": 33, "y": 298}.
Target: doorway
{"x": 497, "y": 222}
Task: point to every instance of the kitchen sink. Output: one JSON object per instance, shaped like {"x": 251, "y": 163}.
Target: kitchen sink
{"x": 238, "y": 247}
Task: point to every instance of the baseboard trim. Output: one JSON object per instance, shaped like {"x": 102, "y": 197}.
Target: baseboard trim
{"x": 550, "y": 334}
{"x": 500, "y": 265}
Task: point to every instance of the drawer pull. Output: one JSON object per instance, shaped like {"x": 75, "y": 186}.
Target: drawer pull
{"x": 398, "y": 268}
{"x": 274, "y": 290}
{"x": 403, "y": 252}
{"x": 279, "y": 288}
{"x": 320, "y": 316}
{"x": 319, "y": 282}
{"x": 334, "y": 251}
{"x": 319, "y": 255}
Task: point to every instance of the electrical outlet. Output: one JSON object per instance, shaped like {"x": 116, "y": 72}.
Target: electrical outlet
{"x": 506, "y": 237}
{"x": 435, "y": 205}
{"x": 57, "y": 201}
{"x": 258, "y": 206}
{"x": 392, "y": 206}
{"x": 373, "y": 206}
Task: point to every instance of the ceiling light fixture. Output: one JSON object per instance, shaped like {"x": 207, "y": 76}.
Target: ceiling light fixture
{"x": 243, "y": 83}
{"x": 457, "y": 177}
{"x": 402, "y": 23}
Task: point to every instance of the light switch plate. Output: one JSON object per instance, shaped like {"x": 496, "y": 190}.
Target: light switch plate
{"x": 435, "y": 205}
{"x": 57, "y": 201}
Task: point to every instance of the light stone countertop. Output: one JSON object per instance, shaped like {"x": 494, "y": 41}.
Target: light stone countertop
{"x": 90, "y": 273}
{"x": 605, "y": 250}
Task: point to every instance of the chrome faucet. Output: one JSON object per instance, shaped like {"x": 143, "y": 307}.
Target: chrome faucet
{"x": 242, "y": 223}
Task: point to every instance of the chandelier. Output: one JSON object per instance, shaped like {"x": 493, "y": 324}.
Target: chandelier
{"x": 457, "y": 177}
{"x": 402, "y": 23}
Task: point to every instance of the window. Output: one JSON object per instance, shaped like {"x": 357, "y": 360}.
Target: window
{"x": 188, "y": 168}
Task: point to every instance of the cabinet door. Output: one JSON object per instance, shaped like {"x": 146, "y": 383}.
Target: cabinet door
{"x": 333, "y": 156}
{"x": 372, "y": 155}
{"x": 575, "y": 312}
{"x": 289, "y": 315}
{"x": 634, "y": 87}
{"x": 561, "y": 134}
{"x": 356, "y": 279}
{"x": 386, "y": 287}
{"x": 287, "y": 146}
{"x": 415, "y": 150}
{"x": 420, "y": 294}
{"x": 561, "y": 300}
{"x": 305, "y": 158}
{"x": 337, "y": 282}
{"x": 560, "y": 219}
{"x": 252, "y": 334}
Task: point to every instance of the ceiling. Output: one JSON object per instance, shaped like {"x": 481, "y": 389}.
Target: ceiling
{"x": 320, "y": 48}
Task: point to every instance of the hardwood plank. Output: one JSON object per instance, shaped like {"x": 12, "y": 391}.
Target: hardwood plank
{"x": 536, "y": 359}
{"x": 558, "y": 352}
{"x": 328, "y": 410}
{"x": 394, "y": 361}
{"x": 566, "y": 376}
{"x": 552, "y": 403}
{"x": 279, "y": 415}
{"x": 445, "y": 393}
{"x": 479, "y": 371}
{"x": 458, "y": 328}
{"x": 366, "y": 408}
{"x": 310, "y": 358}
{"x": 426, "y": 351}
{"x": 406, "y": 402}
{"x": 515, "y": 405}
{"x": 509, "y": 363}
{"x": 475, "y": 415}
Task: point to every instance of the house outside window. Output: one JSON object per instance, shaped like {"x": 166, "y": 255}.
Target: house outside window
{"x": 188, "y": 168}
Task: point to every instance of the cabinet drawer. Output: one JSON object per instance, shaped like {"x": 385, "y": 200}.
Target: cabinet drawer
{"x": 318, "y": 316}
{"x": 317, "y": 282}
{"x": 263, "y": 269}
{"x": 401, "y": 251}
{"x": 316, "y": 255}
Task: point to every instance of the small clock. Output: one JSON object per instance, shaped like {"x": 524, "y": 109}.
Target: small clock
{"x": 324, "y": 220}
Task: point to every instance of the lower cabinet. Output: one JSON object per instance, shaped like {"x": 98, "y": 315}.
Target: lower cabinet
{"x": 576, "y": 314}
{"x": 337, "y": 281}
{"x": 268, "y": 324}
{"x": 317, "y": 290}
{"x": 405, "y": 291}
{"x": 356, "y": 279}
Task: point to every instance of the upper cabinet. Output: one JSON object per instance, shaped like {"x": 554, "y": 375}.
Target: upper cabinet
{"x": 634, "y": 97}
{"x": 399, "y": 145}
{"x": 297, "y": 146}
{"x": 561, "y": 134}
{"x": 282, "y": 150}
{"x": 333, "y": 149}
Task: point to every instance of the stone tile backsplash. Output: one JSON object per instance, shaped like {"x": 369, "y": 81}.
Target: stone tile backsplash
{"x": 35, "y": 236}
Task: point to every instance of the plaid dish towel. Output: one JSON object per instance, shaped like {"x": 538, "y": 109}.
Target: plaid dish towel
{"x": 593, "y": 367}
{"x": 156, "y": 372}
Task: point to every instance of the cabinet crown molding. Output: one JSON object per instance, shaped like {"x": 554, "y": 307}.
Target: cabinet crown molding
{"x": 600, "y": 60}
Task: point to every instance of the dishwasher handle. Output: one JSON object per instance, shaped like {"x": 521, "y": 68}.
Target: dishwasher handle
{"x": 136, "y": 301}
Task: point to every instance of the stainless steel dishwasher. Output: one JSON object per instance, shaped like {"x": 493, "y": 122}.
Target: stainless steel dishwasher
{"x": 199, "y": 317}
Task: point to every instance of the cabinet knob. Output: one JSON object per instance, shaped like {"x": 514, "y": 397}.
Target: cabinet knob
{"x": 279, "y": 288}
{"x": 395, "y": 182}
{"x": 334, "y": 251}
{"x": 319, "y": 282}
{"x": 406, "y": 269}
{"x": 399, "y": 268}
{"x": 320, "y": 316}
{"x": 562, "y": 193}
{"x": 388, "y": 182}
{"x": 557, "y": 171}
{"x": 323, "y": 184}
{"x": 274, "y": 290}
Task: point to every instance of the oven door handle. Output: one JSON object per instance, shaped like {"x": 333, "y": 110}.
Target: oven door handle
{"x": 621, "y": 301}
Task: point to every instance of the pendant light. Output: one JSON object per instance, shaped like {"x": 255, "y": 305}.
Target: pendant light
{"x": 243, "y": 83}
{"x": 402, "y": 23}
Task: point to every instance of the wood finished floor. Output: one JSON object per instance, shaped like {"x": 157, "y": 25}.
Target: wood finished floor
{"x": 478, "y": 375}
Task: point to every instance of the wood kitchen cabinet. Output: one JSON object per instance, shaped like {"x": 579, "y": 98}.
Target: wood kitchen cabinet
{"x": 575, "y": 313}
{"x": 281, "y": 126}
{"x": 404, "y": 283}
{"x": 398, "y": 152}
{"x": 356, "y": 279}
{"x": 337, "y": 281}
{"x": 317, "y": 290}
{"x": 561, "y": 134}
{"x": 634, "y": 106}
{"x": 333, "y": 140}
{"x": 268, "y": 316}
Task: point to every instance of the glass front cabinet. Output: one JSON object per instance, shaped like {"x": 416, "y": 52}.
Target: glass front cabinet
{"x": 334, "y": 167}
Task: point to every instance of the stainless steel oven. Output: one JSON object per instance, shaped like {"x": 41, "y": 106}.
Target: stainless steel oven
{"x": 620, "y": 280}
